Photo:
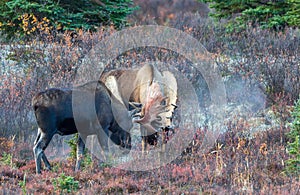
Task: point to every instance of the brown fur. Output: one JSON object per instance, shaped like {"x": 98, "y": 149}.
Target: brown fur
{"x": 54, "y": 114}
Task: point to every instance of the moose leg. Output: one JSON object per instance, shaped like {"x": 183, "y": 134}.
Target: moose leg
{"x": 80, "y": 152}
{"x": 163, "y": 145}
{"x": 102, "y": 136}
{"x": 144, "y": 144}
{"x": 46, "y": 161}
{"x": 40, "y": 145}
{"x": 37, "y": 157}
{"x": 144, "y": 140}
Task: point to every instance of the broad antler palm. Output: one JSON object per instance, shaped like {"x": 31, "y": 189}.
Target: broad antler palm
{"x": 151, "y": 119}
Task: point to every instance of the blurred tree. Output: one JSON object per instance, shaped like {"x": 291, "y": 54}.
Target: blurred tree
{"x": 19, "y": 18}
{"x": 275, "y": 14}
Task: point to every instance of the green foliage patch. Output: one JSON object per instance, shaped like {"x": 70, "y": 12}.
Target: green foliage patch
{"x": 268, "y": 14}
{"x": 19, "y": 18}
{"x": 293, "y": 164}
{"x": 87, "y": 160}
{"x": 65, "y": 183}
{"x": 6, "y": 159}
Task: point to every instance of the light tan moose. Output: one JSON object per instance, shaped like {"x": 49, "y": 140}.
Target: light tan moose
{"x": 156, "y": 91}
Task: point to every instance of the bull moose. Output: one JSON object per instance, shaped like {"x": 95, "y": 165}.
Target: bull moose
{"x": 156, "y": 91}
{"x": 54, "y": 115}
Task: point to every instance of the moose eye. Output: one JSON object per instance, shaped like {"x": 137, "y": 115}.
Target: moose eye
{"x": 163, "y": 102}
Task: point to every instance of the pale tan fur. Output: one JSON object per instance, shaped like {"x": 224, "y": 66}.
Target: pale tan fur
{"x": 135, "y": 85}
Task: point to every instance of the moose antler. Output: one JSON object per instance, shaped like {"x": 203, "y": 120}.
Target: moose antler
{"x": 153, "y": 108}
{"x": 135, "y": 109}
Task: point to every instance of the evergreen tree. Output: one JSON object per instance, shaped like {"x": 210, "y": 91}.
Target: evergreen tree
{"x": 24, "y": 17}
{"x": 266, "y": 13}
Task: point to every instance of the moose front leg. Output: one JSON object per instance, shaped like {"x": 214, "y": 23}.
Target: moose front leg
{"x": 144, "y": 140}
{"x": 79, "y": 153}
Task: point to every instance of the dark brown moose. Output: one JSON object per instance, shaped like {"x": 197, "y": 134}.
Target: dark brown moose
{"x": 55, "y": 115}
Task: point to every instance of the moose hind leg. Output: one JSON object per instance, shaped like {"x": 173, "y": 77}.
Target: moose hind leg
{"x": 40, "y": 145}
{"x": 37, "y": 152}
{"x": 46, "y": 161}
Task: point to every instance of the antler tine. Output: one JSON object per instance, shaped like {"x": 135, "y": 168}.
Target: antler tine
{"x": 151, "y": 113}
{"x": 135, "y": 109}
{"x": 155, "y": 105}
{"x": 136, "y": 105}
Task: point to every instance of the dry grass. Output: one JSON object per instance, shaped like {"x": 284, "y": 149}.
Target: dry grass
{"x": 235, "y": 165}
